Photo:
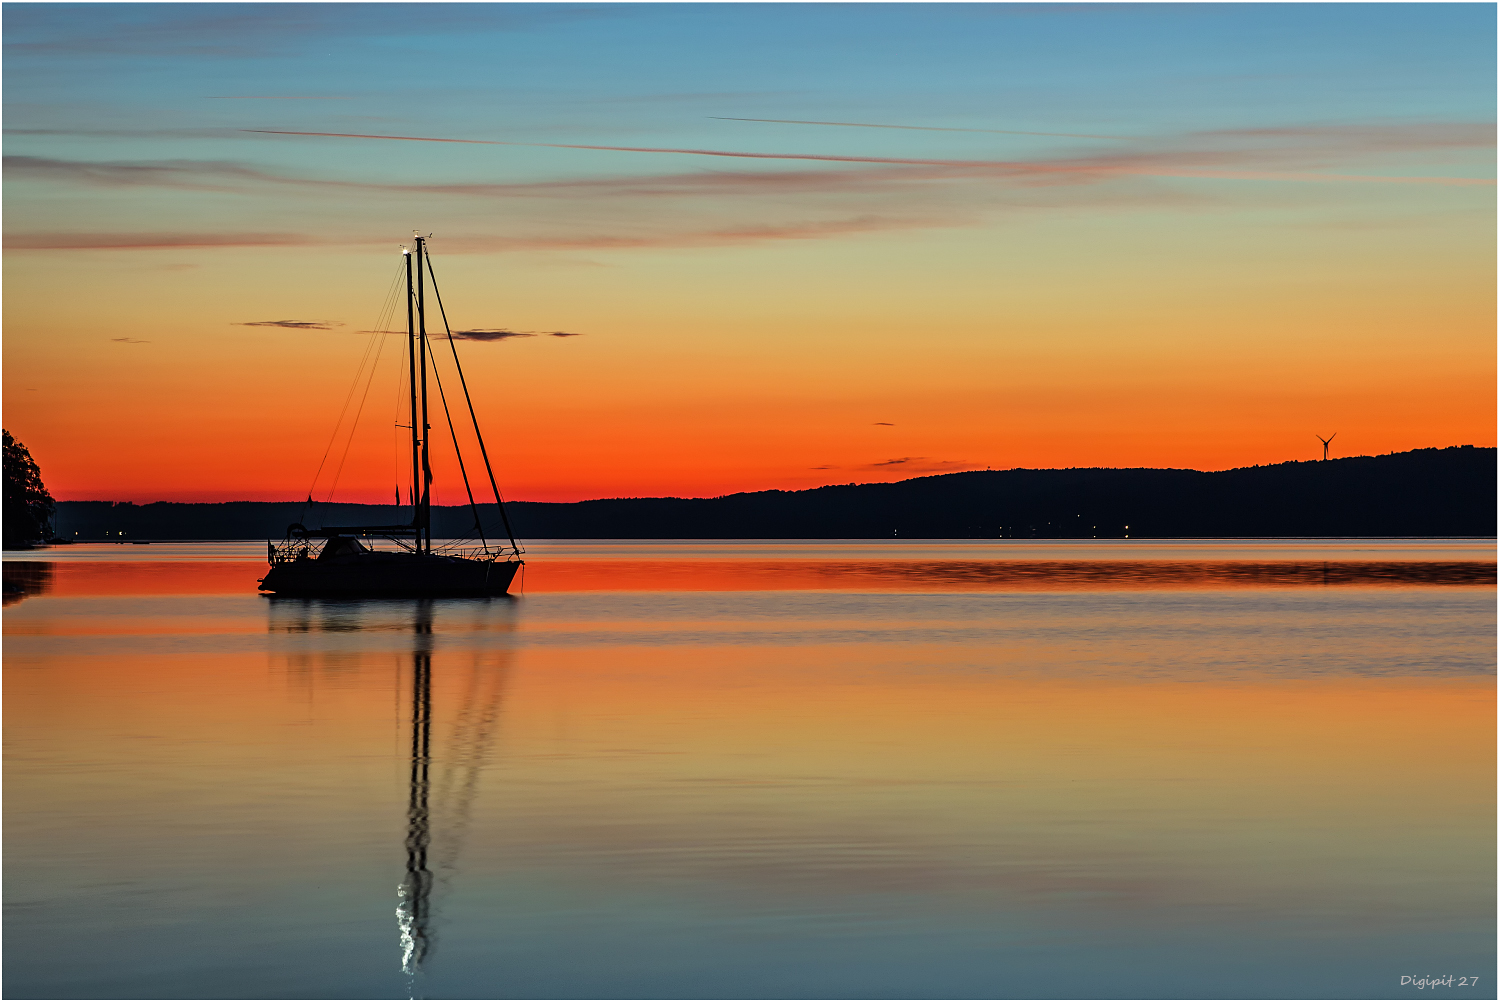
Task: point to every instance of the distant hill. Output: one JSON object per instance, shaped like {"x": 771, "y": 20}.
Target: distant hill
{"x": 1427, "y": 492}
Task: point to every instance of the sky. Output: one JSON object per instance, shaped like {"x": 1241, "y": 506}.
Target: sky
{"x": 798, "y": 244}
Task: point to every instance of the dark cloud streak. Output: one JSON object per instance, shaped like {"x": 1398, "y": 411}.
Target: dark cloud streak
{"x": 503, "y": 334}
{"x": 921, "y": 464}
{"x": 490, "y": 335}
{"x": 301, "y": 325}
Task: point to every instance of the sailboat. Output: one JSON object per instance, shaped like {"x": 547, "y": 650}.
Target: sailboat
{"x": 402, "y": 560}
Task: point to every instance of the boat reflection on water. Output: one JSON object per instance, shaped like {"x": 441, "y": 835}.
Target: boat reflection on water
{"x": 761, "y": 776}
{"x": 449, "y": 790}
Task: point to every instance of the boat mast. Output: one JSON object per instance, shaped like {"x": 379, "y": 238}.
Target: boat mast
{"x": 474, "y": 418}
{"x": 424, "y": 537}
{"x": 411, "y": 351}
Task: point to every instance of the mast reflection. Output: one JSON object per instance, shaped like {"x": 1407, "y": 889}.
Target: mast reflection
{"x": 415, "y": 892}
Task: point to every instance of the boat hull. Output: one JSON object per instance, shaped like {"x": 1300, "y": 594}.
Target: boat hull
{"x": 391, "y": 575}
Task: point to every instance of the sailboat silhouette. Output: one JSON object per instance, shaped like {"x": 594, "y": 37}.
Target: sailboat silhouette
{"x": 340, "y": 560}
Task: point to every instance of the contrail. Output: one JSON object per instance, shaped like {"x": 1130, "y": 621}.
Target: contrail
{"x": 920, "y": 128}
{"x": 1015, "y": 166}
{"x": 665, "y": 149}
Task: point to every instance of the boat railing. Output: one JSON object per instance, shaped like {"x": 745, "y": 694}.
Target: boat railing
{"x": 302, "y": 548}
{"x": 292, "y": 550}
{"x": 474, "y": 553}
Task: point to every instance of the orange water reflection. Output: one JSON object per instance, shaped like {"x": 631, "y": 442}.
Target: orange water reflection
{"x": 740, "y": 767}
{"x": 975, "y": 575}
{"x": 565, "y": 575}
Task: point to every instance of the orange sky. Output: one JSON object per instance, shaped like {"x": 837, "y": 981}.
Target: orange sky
{"x": 1230, "y": 276}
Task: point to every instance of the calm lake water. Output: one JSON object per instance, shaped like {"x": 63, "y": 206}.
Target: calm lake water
{"x": 1114, "y": 769}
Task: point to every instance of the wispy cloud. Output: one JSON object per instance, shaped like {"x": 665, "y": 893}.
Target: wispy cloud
{"x": 916, "y": 128}
{"x": 888, "y": 424}
{"x": 276, "y": 97}
{"x": 835, "y": 196}
{"x": 1290, "y": 153}
{"x": 232, "y": 31}
{"x": 1184, "y": 164}
{"x": 148, "y": 241}
{"x": 205, "y": 31}
{"x": 224, "y": 175}
{"x": 301, "y": 325}
{"x": 637, "y": 238}
{"x": 714, "y": 237}
{"x": 128, "y": 340}
{"x": 201, "y": 175}
{"x": 1345, "y": 137}
{"x": 689, "y": 97}
{"x": 179, "y": 133}
{"x": 1231, "y": 154}
{"x": 408, "y": 139}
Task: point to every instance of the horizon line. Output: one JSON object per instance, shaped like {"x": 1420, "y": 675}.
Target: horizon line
{"x": 798, "y": 490}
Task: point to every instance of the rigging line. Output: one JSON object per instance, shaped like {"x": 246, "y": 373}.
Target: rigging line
{"x": 369, "y": 383}
{"x": 499, "y": 501}
{"x": 353, "y": 386}
{"x": 382, "y": 324}
{"x": 457, "y": 739}
{"x": 354, "y": 425}
{"x": 379, "y": 346}
{"x": 470, "y": 753}
{"x": 456, "y": 451}
{"x": 396, "y": 431}
{"x": 348, "y": 397}
{"x": 397, "y": 450}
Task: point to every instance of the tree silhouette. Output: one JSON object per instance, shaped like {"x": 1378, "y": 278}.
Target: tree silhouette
{"x": 28, "y": 505}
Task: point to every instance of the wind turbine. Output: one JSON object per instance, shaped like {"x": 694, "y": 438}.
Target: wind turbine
{"x": 1325, "y": 442}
